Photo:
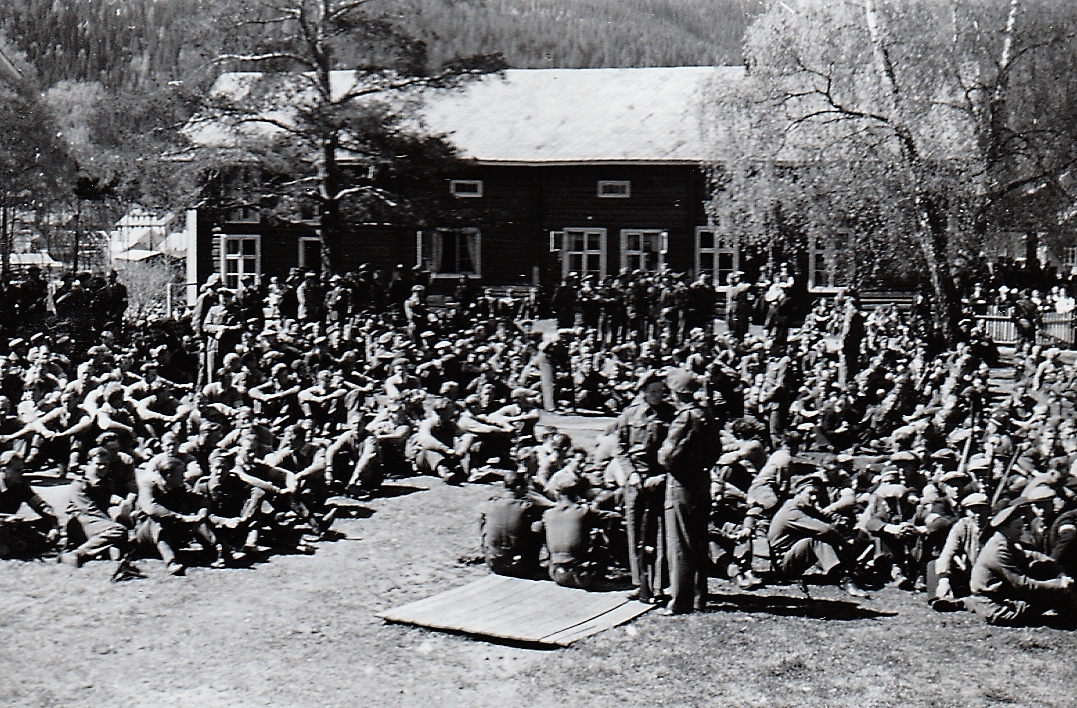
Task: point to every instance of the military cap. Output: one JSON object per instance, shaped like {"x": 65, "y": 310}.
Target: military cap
{"x": 953, "y": 476}
{"x": 975, "y": 499}
{"x": 904, "y": 456}
{"x": 810, "y": 480}
{"x": 889, "y": 490}
{"x": 1038, "y": 493}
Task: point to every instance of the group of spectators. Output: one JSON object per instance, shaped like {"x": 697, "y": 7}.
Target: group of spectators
{"x": 844, "y": 446}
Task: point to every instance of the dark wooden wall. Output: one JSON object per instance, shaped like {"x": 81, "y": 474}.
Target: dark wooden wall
{"x": 519, "y": 207}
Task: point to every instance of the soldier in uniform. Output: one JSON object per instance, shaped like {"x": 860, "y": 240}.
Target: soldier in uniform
{"x": 1005, "y": 589}
{"x": 738, "y": 309}
{"x": 641, "y": 430}
{"x": 689, "y": 451}
{"x": 510, "y": 544}
{"x": 962, "y": 548}
{"x": 801, "y": 536}
{"x": 17, "y": 535}
{"x": 572, "y": 532}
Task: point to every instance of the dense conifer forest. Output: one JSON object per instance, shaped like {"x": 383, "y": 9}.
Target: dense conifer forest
{"x": 124, "y": 43}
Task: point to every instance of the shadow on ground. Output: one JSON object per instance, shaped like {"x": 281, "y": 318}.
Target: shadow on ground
{"x": 812, "y": 608}
{"x": 392, "y": 491}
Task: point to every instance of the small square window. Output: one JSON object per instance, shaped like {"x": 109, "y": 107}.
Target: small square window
{"x": 467, "y": 188}
{"x": 614, "y": 189}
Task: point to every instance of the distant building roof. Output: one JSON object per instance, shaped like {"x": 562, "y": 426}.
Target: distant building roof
{"x": 137, "y": 255}
{"x": 40, "y": 259}
{"x": 545, "y": 116}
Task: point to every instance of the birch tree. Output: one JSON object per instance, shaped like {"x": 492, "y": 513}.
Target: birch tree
{"x": 918, "y": 108}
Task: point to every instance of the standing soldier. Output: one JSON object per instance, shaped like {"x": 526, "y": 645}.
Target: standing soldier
{"x": 852, "y": 333}
{"x": 738, "y": 311}
{"x": 223, "y": 333}
{"x": 642, "y": 429}
{"x": 115, "y": 298}
{"x": 689, "y": 451}
{"x": 699, "y": 305}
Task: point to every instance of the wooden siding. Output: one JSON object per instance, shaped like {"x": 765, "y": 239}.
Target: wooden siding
{"x": 519, "y": 207}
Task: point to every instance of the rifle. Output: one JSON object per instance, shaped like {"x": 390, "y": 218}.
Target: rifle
{"x": 1005, "y": 476}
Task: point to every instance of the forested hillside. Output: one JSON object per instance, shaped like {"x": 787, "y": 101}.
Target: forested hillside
{"x": 126, "y": 42}
{"x": 588, "y": 33}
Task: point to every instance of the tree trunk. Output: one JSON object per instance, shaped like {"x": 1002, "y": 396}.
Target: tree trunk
{"x": 78, "y": 230}
{"x": 934, "y": 242}
{"x": 329, "y": 218}
{"x": 5, "y": 245}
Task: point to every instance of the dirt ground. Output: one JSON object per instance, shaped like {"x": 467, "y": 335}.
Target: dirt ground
{"x": 301, "y": 631}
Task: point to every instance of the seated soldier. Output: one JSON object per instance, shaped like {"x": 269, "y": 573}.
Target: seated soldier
{"x": 572, "y": 535}
{"x": 92, "y": 497}
{"x": 173, "y": 514}
{"x": 20, "y": 536}
{"x": 888, "y": 521}
{"x": 801, "y": 538}
{"x": 510, "y": 544}
{"x": 1004, "y": 583}
{"x": 440, "y": 447}
{"x": 954, "y": 565}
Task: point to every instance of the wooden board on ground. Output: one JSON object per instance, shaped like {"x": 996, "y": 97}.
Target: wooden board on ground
{"x": 533, "y": 611}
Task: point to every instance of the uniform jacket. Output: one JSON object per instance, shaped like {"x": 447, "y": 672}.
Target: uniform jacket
{"x": 1002, "y": 570}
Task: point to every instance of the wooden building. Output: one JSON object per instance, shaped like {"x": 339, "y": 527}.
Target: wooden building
{"x": 590, "y": 171}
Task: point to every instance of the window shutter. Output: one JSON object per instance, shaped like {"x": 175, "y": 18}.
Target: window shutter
{"x": 474, "y": 251}
{"x": 557, "y": 241}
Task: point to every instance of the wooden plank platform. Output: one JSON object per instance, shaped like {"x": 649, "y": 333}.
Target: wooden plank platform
{"x": 535, "y": 611}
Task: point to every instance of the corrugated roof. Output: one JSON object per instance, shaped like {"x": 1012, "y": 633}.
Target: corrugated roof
{"x": 546, "y": 116}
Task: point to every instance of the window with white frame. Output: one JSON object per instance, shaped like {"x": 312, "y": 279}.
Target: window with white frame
{"x": 821, "y": 260}
{"x": 644, "y": 249}
{"x": 450, "y": 251}
{"x": 583, "y": 251}
{"x": 466, "y": 188}
{"x": 717, "y": 254}
{"x": 1069, "y": 257}
{"x": 614, "y": 189}
{"x": 310, "y": 253}
{"x": 245, "y": 215}
{"x": 240, "y": 256}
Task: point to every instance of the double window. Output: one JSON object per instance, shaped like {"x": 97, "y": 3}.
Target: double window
{"x": 822, "y": 260}
{"x": 717, "y": 254}
{"x": 583, "y": 251}
{"x": 450, "y": 251}
{"x": 241, "y": 256}
{"x": 644, "y": 249}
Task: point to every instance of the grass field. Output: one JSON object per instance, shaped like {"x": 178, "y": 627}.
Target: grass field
{"x": 301, "y": 631}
